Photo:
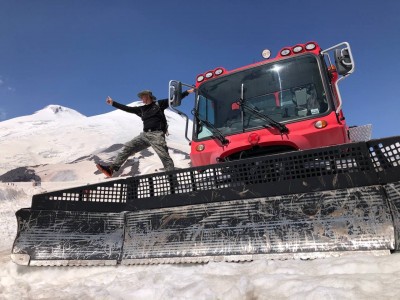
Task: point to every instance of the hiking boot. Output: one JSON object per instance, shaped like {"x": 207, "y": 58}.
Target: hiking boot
{"x": 108, "y": 171}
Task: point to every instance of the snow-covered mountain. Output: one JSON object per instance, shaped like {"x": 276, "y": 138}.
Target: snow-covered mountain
{"x": 60, "y": 144}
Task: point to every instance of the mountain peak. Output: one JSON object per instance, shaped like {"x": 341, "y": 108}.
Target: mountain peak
{"x": 57, "y": 110}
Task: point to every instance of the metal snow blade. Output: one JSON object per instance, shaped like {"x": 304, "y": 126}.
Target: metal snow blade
{"x": 343, "y": 220}
{"x": 47, "y": 237}
{"x": 312, "y": 203}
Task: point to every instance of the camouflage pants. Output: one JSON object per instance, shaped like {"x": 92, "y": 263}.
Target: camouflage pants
{"x": 155, "y": 139}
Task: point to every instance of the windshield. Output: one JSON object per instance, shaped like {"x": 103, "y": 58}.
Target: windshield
{"x": 285, "y": 91}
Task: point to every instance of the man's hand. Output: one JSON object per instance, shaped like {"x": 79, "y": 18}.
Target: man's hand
{"x": 190, "y": 91}
{"x": 109, "y": 101}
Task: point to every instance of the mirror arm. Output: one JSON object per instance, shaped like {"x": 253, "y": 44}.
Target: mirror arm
{"x": 339, "y": 95}
{"x": 182, "y": 114}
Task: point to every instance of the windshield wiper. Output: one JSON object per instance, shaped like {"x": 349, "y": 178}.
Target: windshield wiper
{"x": 271, "y": 122}
{"x": 216, "y": 132}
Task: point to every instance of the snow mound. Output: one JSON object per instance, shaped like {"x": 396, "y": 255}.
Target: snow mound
{"x": 11, "y": 192}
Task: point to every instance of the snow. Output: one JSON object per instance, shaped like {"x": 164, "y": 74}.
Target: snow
{"x": 52, "y": 141}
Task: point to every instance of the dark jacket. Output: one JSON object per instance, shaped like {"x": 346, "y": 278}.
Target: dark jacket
{"x": 152, "y": 114}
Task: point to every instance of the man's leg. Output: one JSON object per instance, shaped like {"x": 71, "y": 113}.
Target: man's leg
{"x": 157, "y": 141}
{"x": 135, "y": 145}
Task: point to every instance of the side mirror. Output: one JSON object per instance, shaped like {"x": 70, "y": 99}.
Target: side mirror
{"x": 343, "y": 62}
{"x": 175, "y": 93}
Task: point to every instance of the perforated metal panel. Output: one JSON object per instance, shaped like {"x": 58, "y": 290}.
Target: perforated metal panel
{"x": 360, "y": 133}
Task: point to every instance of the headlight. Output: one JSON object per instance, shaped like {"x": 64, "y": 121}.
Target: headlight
{"x": 200, "y": 147}
{"x": 320, "y": 124}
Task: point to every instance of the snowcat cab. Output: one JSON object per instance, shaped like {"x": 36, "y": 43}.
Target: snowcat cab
{"x": 283, "y": 181}
{"x": 291, "y": 102}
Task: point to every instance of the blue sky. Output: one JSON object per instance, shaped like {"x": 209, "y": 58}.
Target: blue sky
{"x": 75, "y": 53}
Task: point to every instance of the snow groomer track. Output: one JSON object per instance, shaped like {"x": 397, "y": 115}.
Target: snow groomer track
{"x": 315, "y": 203}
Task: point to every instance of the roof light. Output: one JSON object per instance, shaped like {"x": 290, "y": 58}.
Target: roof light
{"x": 311, "y": 46}
{"x": 200, "y": 78}
{"x": 320, "y": 124}
{"x": 266, "y": 53}
{"x": 285, "y": 52}
{"x": 297, "y": 49}
{"x": 209, "y": 74}
{"x": 218, "y": 71}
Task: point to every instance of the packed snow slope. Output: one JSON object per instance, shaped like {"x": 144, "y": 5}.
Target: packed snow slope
{"x": 58, "y": 146}
{"x": 72, "y": 143}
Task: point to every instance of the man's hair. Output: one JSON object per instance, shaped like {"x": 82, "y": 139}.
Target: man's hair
{"x": 147, "y": 92}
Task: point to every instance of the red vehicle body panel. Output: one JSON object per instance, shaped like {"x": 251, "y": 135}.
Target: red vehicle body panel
{"x": 302, "y": 135}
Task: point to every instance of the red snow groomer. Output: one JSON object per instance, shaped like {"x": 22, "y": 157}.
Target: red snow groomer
{"x": 276, "y": 173}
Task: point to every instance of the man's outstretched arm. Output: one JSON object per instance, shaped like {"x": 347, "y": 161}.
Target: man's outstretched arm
{"x": 133, "y": 110}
